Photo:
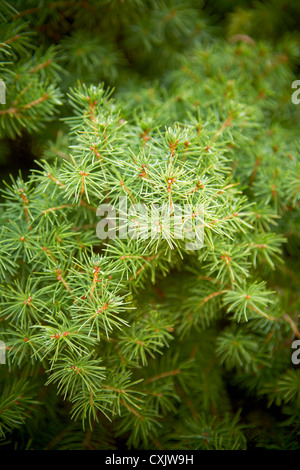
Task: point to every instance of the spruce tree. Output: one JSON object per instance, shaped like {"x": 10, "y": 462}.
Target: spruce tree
{"x": 149, "y": 328}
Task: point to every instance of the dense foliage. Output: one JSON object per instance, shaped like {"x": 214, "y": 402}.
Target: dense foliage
{"x": 135, "y": 341}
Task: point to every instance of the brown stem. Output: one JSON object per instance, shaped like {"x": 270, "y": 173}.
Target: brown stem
{"x": 163, "y": 375}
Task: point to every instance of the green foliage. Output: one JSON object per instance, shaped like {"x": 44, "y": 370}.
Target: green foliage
{"x": 149, "y": 341}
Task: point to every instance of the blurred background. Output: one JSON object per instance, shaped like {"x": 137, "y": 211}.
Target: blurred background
{"x": 120, "y": 43}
